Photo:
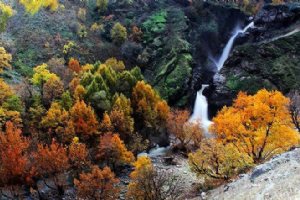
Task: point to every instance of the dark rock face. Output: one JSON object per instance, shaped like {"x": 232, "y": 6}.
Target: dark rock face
{"x": 281, "y": 15}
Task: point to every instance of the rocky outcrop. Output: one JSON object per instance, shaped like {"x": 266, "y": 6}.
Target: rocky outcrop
{"x": 269, "y": 59}
{"x": 281, "y": 15}
{"x": 276, "y": 179}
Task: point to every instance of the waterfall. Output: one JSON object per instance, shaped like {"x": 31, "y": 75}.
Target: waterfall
{"x": 200, "y": 112}
{"x": 228, "y": 47}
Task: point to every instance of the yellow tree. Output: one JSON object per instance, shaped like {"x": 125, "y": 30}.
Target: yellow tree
{"x": 148, "y": 106}
{"x": 9, "y": 104}
{"x": 258, "y": 125}
{"x": 56, "y": 122}
{"x": 121, "y": 118}
{"x": 5, "y": 13}
{"x": 33, "y": 6}
{"x": 106, "y": 125}
{"x": 115, "y": 64}
{"x": 41, "y": 76}
{"x": 118, "y": 33}
{"x": 5, "y": 58}
{"x": 215, "y": 160}
{"x": 5, "y": 91}
{"x": 142, "y": 166}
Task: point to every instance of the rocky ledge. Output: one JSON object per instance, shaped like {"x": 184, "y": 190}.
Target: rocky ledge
{"x": 278, "y": 178}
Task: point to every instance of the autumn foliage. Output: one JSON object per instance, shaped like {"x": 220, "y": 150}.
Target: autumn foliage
{"x": 215, "y": 160}
{"x": 98, "y": 184}
{"x": 51, "y": 159}
{"x": 84, "y": 120}
{"x": 14, "y": 160}
{"x": 113, "y": 151}
{"x": 258, "y": 125}
{"x": 5, "y": 58}
{"x": 185, "y": 132}
{"x": 149, "y": 106}
{"x": 74, "y": 65}
{"x": 59, "y": 129}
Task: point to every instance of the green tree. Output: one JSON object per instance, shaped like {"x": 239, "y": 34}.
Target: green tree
{"x": 102, "y": 5}
{"x": 118, "y": 33}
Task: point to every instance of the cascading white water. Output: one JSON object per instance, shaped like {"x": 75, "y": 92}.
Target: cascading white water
{"x": 200, "y": 112}
{"x": 228, "y": 47}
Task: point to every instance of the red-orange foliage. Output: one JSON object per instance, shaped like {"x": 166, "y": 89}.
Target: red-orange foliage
{"x": 113, "y": 151}
{"x": 136, "y": 34}
{"x": 52, "y": 89}
{"x": 106, "y": 125}
{"x": 99, "y": 184}
{"x": 184, "y": 131}
{"x": 73, "y": 84}
{"x": 84, "y": 120}
{"x": 78, "y": 154}
{"x": 74, "y": 65}
{"x": 51, "y": 159}
{"x": 14, "y": 162}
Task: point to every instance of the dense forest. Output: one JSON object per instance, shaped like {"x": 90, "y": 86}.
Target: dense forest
{"x": 101, "y": 99}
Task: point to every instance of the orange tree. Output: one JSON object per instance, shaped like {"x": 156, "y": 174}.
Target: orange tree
{"x": 84, "y": 120}
{"x": 98, "y": 184}
{"x": 113, "y": 151}
{"x": 185, "y": 132}
{"x": 14, "y": 157}
{"x": 258, "y": 125}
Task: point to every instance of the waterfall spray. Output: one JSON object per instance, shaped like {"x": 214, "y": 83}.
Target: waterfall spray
{"x": 200, "y": 112}
{"x": 228, "y": 47}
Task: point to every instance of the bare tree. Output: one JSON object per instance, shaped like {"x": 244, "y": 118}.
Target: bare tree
{"x": 157, "y": 185}
{"x": 295, "y": 108}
